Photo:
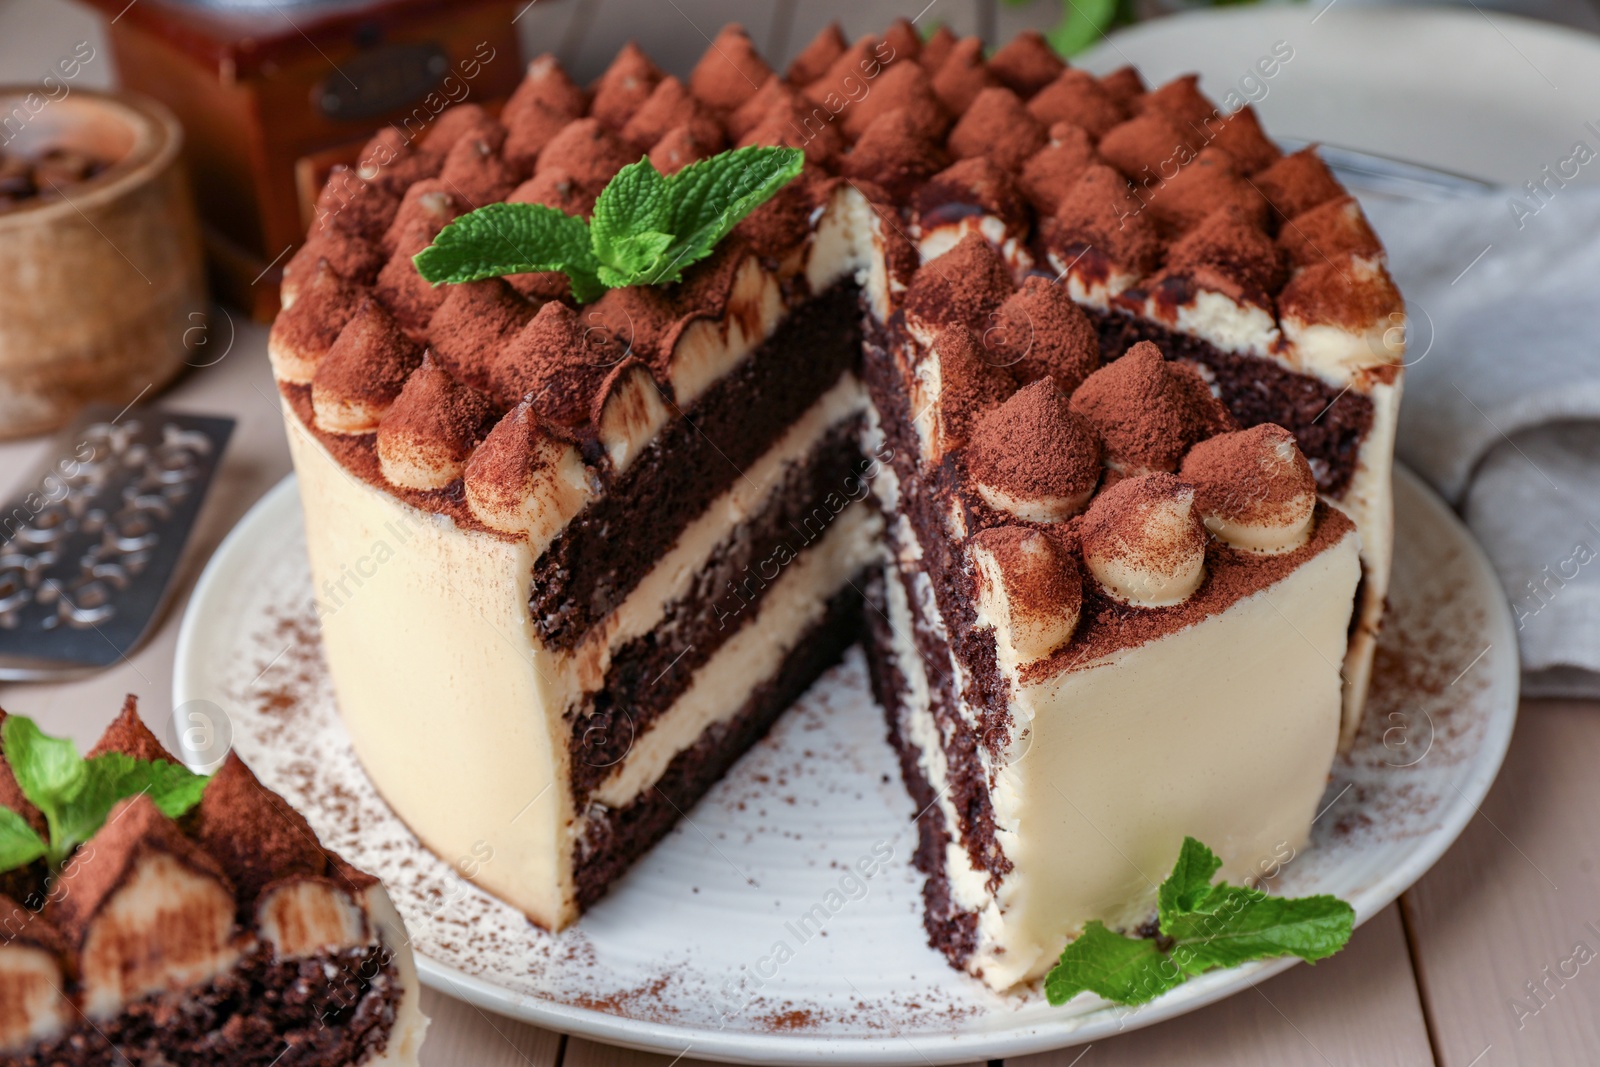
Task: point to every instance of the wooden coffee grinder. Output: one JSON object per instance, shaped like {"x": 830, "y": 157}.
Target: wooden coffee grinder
{"x": 273, "y": 94}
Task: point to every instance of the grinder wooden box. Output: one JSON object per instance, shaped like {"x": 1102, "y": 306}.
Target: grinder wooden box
{"x": 267, "y": 93}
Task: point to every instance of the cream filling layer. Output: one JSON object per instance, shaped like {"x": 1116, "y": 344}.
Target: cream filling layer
{"x": 969, "y": 884}
{"x": 673, "y": 576}
{"x": 718, "y": 691}
{"x": 969, "y": 889}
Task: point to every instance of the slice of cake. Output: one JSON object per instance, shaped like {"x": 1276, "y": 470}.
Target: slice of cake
{"x": 1115, "y": 619}
{"x": 1076, "y": 399}
{"x": 226, "y": 934}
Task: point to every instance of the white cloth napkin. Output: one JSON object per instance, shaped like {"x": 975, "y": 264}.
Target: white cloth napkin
{"x": 1502, "y": 401}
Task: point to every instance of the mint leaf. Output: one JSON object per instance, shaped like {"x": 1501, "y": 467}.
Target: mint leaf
{"x": 1127, "y": 970}
{"x": 53, "y": 777}
{"x": 19, "y": 844}
{"x": 634, "y": 257}
{"x": 712, "y": 196}
{"x": 174, "y": 788}
{"x": 76, "y": 795}
{"x": 1242, "y": 925}
{"x": 1190, "y": 881}
{"x": 1204, "y": 925}
{"x": 631, "y": 218}
{"x": 647, "y": 227}
{"x": 503, "y": 239}
{"x": 48, "y": 769}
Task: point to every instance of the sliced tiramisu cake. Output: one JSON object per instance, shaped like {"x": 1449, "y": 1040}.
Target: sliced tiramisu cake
{"x": 153, "y": 916}
{"x": 1080, "y": 395}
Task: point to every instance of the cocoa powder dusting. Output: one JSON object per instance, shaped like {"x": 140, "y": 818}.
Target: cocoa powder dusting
{"x": 1076, "y": 97}
{"x": 998, "y": 126}
{"x": 965, "y": 286}
{"x": 1041, "y": 332}
{"x": 1149, "y": 411}
{"x": 436, "y": 415}
{"x": 968, "y": 382}
{"x": 1249, "y": 476}
{"x": 1231, "y": 575}
{"x": 1042, "y": 576}
{"x": 1026, "y": 63}
{"x": 1298, "y": 182}
{"x": 1032, "y": 448}
{"x": 370, "y": 361}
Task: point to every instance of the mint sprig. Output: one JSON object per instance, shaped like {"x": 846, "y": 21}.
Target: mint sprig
{"x": 647, "y": 227}
{"x": 505, "y": 239}
{"x": 20, "y": 845}
{"x": 1203, "y": 925}
{"x": 76, "y": 794}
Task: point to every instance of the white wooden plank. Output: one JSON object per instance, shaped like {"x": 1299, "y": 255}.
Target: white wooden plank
{"x": 1517, "y": 901}
{"x": 1358, "y": 1009}
{"x": 464, "y": 1035}
{"x": 673, "y": 32}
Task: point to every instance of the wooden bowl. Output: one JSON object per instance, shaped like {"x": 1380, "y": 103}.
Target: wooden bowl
{"x": 99, "y": 288}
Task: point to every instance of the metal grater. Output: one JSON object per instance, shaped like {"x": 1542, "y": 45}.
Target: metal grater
{"x": 87, "y": 554}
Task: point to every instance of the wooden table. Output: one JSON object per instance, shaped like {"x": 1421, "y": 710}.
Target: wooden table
{"x": 1474, "y": 967}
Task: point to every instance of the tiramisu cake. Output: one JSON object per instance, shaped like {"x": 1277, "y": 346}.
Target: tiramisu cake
{"x": 174, "y": 921}
{"x": 1074, "y": 400}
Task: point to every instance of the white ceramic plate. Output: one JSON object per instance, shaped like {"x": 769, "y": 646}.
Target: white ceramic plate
{"x": 681, "y": 955}
{"x": 1479, "y": 93}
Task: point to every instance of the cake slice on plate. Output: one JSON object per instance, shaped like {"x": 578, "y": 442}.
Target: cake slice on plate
{"x": 173, "y": 919}
{"x": 1075, "y": 398}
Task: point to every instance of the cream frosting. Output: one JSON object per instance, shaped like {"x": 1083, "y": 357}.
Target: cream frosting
{"x": 444, "y": 623}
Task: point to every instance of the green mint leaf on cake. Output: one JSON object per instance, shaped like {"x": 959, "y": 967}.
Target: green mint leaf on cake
{"x": 46, "y": 768}
{"x": 76, "y": 795}
{"x": 19, "y": 844}
{"x": 714, "y": 195}
{"x": 647, "y": 227}
{"x": 1203, "y": 925}
{"x": 636, "y": 257}
{"x": 503, "y": 239}
{"x": 632, "y": 217}
{"x": 174, "y": 788}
